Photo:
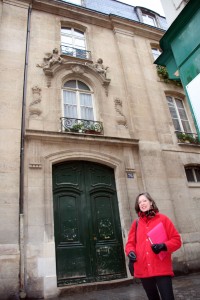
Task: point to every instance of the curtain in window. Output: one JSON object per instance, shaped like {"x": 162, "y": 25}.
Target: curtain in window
{"x": 86, "y": 106}
{"x": 70, "y": 104}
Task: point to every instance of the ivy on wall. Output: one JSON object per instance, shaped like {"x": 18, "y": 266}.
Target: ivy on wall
{"x": 164, "y": 76}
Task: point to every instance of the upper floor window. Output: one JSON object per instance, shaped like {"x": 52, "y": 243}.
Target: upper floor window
{"x": 73, "y": 42}
{"x": 178, "y": 114}
{"x": 192, "y": 174}
{"x": 156, "y": 52}
{"x": 149, "y": 19}
{"x": 77, "y": 100}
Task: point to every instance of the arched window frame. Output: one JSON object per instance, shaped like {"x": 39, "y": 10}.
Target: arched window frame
{"x": 78, "y": 92}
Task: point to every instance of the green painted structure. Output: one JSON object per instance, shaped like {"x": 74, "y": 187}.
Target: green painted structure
{"x": 181, "y": 49}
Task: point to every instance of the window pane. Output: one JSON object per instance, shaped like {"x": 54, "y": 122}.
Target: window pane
{"x": 150, "y": 20}
{"x": 182, "y": 114}
{"x": 186, "y": 126}
{"x": 156, "y": 52}
{"x": 79, "y": 43}
{"x": 176, "y": 125}
{"x": 70, "y": 104}
{"x": 173, "y": 112}
{"x": 66, "y": 40}
{"x": 169, "y": 99}
{"x": 86, "y": 107}
{"x": 179, "y": 103}
{"x": 197, "y": 173}
{"x": 189, "y": 174}
{"x": 83, "y": 86}
{"x": 78, "y": 33}
{"x": 66, "y": 31}
{"x": 70, "y": 84}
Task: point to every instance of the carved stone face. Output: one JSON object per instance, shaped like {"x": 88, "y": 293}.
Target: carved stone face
{"x": 100, "y": 61}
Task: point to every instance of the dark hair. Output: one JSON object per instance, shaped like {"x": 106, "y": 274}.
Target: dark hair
{"x": 154, "y": 206}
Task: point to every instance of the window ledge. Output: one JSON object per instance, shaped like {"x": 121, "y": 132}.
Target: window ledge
{"x": 194, "y": 184}
{"x": 188, "y": 144}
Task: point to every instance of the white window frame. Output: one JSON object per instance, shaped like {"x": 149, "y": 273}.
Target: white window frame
{"x": 74, "y": 37}
{"x": 146, "y": 17}
{"x": 193, "y": 172}
{"x": 177, "y": 112}
{"x": 77, "y": 92}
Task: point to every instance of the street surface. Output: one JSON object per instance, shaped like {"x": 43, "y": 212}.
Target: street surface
{"x": 185, "y": 288}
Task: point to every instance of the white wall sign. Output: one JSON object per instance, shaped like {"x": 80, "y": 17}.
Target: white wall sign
{"x": 193, "y": 89}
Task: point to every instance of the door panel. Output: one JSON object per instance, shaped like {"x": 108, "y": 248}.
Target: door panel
{"x": 87, "y": 224}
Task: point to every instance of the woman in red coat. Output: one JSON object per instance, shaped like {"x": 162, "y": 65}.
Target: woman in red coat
{"x": 152, "y": 261}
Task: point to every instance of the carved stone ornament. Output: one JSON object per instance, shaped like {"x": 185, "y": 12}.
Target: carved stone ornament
{"x": 121, "y": 119}
{"x": 53, "y": 63}
{"x": 99, "y": 67}
{"x": 35, "y": 155}
{"x": 35, "y": 105}
{"x": 78, "y": 69}
{"x": 51, "y": 59}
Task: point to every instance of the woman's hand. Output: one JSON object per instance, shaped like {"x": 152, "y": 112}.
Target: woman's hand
{"x": 157, "y": 248}
{"x": 132, "y": 256}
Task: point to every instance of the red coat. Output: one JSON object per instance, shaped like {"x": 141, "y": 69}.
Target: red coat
{"x": 148, "y": 263}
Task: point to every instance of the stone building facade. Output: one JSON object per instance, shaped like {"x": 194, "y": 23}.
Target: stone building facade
{"x": 67, "y": 193}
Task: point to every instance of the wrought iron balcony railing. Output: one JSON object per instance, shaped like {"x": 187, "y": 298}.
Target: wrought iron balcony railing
{"x": 187, "y": 137}
{"x": 71, "y": 51}
{"x": 81, "y": 126}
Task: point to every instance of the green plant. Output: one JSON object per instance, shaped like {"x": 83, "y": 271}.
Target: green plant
{"x": 97, "y": 127}
{"x": 77, "y": 127}
{"x": 163, "y": 74}
{"x": 187, "y": 137}
{"x": 91, "y": 127}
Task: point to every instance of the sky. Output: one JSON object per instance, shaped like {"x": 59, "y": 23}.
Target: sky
{"x": 154, "y": 5}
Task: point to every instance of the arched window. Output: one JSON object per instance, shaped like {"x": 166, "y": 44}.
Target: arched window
{"x": 77, "y": 100}
{"x": 178, "y": 114}
{"x": 73, "y": 42}
{"x": 192, "y": 173}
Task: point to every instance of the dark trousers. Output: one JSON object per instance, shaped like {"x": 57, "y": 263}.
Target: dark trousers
{"x": 163, "y": 284}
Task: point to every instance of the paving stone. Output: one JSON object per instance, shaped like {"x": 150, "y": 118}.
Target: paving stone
{"x": 185, "y": 288}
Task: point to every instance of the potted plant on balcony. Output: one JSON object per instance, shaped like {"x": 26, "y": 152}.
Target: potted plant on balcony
{"x": 92, "y": 129}
{"x": 187, "y": 138}
{"x": 77, "y": 127}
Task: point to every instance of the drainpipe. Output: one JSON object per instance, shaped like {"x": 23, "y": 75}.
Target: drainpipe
{"x": 22, "y": 290}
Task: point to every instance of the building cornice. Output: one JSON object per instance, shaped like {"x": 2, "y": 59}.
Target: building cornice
{"x": 85, "y": 15}
{"x": 78, "y": 138}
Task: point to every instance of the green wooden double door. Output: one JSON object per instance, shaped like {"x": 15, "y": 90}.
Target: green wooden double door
{"x": 87, "y": 227}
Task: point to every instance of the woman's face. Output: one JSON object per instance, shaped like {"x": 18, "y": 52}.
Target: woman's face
{"x": 144, "y": 203}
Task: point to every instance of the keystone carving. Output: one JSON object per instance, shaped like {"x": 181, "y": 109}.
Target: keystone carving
{"x": 77, "y": 69}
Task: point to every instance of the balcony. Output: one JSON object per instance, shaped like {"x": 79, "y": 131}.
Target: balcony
{"x": 187, "y": 137}
{"x": 75, "y": 52}
{"x": 81, "y": 126}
